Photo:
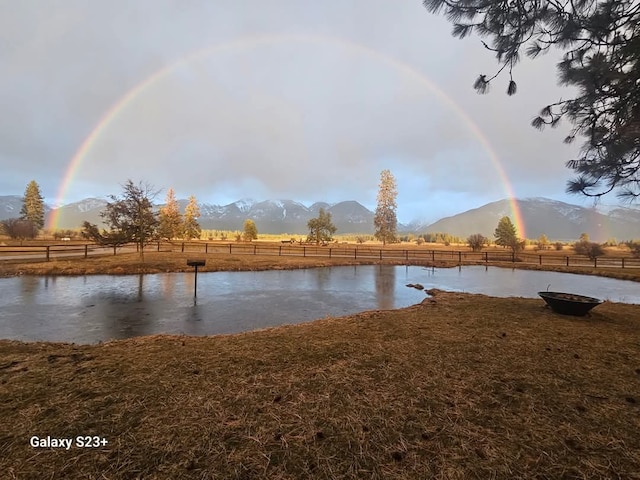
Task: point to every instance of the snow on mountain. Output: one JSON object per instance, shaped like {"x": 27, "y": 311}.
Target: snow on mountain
{"x": 245, "y": 204}
{"x": 89, "y": 204}
{"x": 557, "y": 220}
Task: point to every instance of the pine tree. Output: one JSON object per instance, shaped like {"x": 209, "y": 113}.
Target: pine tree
{"x": 130, "y": 218}
{"x": 250, "y": 230}
{"x": 385, "y": 220}
{"x": 599, "y": 40}
{"x": 33, "y": 206}
{"x": 506, "y": 235}
{"x": 321, "y": 228}
{"x": 191, "y": 227}
{"x": 170, "y": 217}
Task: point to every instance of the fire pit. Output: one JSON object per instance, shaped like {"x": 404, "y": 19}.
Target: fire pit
{"x": 569, "y": 303}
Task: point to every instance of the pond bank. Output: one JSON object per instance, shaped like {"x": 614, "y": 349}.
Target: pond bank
{"x": 163, "y": 262}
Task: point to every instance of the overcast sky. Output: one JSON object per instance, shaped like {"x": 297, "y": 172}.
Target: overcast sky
{"x": 285, "y": 99}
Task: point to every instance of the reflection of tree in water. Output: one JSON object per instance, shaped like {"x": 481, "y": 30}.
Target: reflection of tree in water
{"x": 140, "y": 286}
{"x": 322, "y": 277}
{"x": 29, "y": 287}
{"x": 168, "y": 282}
{"x": 124, "y": 314}
{"x": 385, "y": 281}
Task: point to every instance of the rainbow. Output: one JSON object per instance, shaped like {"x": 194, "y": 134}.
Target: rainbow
{"x": 255, "y": 41}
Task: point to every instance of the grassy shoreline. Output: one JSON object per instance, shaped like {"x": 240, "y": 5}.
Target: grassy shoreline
{"x": 163, "y": 262}
{"x": 460, "y": 386}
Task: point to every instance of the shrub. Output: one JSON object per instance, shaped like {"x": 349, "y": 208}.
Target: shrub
{"x": 558, "y": 245}
{"x": 634, "y": 247}
{"x": 477, "y": 241}
{"x": 590, "y": 249}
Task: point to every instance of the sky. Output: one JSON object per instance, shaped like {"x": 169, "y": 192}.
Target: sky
{"x": 285, "y": 99}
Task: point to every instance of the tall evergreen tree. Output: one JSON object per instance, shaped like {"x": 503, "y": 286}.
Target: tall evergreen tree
{"x": 33, "y": 205}
{"x": 191, "y": 227}
{"x": 170, "y": 219}
{"x": 507, "y": 235}
{"x": 385, "y": 219}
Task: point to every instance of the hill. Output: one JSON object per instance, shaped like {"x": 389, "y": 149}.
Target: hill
{"x": 557, "y": 220}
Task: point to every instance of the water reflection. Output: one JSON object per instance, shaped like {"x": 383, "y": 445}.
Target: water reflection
{"x": 322, "y": 278}
{"x": 385, "y": 283}
{"x": 29, "y": 287}
{"x": 167, "y": 286}
{"x": 94, "y": 308}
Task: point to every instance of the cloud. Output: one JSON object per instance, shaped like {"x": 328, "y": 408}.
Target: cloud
{"x": 306, "y": 119}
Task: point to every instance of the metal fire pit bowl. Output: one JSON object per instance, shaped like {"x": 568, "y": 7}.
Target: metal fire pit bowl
{"x": 569, "y": 303}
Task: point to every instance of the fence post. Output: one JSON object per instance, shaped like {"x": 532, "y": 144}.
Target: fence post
{"x": 206, "y": 248}
{"x": 48, "y": 247}
{"x": 513, "y": 257}
{"x": 459, "y": 257}
{"x": 433, "y": 255}
{"x": 329, "y": 252}
{"x": 622, "y": 262}
{"x": 380, "y": 254}
{"x": 595, "y": 262}
{"x": 355, "y": 253}
{"x": 567, "y": 260}
{"x": 158, "y": 245}
{"x": 486, "y": 257}
{"x": 280, "y": 250}
{"x": 406, "y": 255}
{"x": 182, "y": 247}
{"x": 540, "y": 259}
{"x": 229, "y": 248}
{"x": 86, "y": 250}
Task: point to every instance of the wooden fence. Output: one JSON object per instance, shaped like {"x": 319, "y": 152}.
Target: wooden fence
{"x": 417, "y": 255}
{"x": 47, "y": 252}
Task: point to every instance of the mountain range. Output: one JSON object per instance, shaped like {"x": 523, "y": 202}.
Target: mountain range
{"x": 557, "y": 220}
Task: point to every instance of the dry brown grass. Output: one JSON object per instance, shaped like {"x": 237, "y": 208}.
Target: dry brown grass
{"x": 163, "y": 261}
{"x": 460, "y": 387}
{"x": 158, "y": 262}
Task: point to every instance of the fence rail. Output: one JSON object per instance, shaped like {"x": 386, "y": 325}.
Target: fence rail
{"x": 51, "y": 251}
{"x": 405, "y": 255}
{"x": 417, "y": 255}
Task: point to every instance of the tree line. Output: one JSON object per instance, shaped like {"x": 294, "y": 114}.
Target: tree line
{"x": 132, "y": 218}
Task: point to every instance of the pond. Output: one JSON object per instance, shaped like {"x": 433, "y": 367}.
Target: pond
{"x": 89, "y": 309}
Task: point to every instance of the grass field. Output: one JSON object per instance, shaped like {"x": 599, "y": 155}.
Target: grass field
{"x": 459, "y": 387}
{"x": 175, "y": 261}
